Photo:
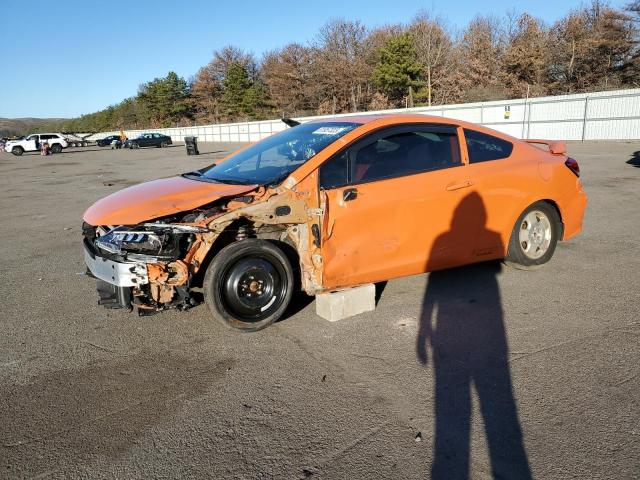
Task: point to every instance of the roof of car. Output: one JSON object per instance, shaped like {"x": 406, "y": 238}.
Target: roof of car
{"x": 366, "y": 118}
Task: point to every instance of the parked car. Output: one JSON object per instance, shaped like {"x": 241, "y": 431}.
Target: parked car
{"x": 149, "y": 140}
{"x": 328, "y": 205}
{"x": 74, "y": 140}
{"x": 106, "y": 141}
{"x": 33, "y": 142}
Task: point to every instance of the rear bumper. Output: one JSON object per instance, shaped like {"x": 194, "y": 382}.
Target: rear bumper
{"x": 573, "y": 213}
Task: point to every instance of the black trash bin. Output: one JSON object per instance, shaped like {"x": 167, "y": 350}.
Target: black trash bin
{"x": 192, "y": 145}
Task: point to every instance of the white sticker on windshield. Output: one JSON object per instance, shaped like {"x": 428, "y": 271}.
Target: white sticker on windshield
{"x": 329, "y": 130}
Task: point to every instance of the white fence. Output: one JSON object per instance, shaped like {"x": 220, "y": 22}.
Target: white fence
{"x": 612, "y": 115}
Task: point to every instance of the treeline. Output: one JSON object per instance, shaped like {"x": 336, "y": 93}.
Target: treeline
{"x": 348, "y": 67}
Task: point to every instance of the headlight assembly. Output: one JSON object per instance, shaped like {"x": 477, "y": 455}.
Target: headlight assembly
{"x": 149, "y": 242}
{"x": 121, "y": 240}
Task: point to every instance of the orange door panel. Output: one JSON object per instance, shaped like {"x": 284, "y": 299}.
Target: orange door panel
{"x": 388, "y": 228}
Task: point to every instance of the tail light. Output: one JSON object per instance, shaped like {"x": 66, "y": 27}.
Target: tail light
{"x": 573, "y": 166}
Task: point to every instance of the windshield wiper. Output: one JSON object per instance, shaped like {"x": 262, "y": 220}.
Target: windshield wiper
{"x": 197, "y": 175}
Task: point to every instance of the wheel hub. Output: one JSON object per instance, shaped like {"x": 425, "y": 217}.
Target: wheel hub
{"x": 535, "y": 234}
{"x": 251, "y": 287}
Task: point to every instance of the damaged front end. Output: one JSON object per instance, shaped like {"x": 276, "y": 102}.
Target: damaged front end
{"x": 142, "y": 265}
{"x": 158, "y": 264}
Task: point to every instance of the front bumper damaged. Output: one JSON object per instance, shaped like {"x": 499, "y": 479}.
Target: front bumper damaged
{"x": 120, "y": 274}
{"x": 114, "y": 279}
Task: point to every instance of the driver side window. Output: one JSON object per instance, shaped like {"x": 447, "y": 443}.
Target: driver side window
{"x": 334, "y": 173}
{"x": 396, "y": 152}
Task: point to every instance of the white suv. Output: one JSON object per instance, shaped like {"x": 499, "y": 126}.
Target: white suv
{"x": 33, "y": 142}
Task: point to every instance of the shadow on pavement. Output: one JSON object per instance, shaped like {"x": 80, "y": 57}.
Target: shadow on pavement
{"x": 462, "y": 325}
{"x": 635, "y": 159}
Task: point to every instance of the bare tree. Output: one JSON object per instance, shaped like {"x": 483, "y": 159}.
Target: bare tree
{"x": 481, "y": 49}
{"x": 526, "y": 58}
{"x": 594, "y": 47}
{"x": 287, "y": 74}
{"x": 434, "y": 48}
{"x": 340, "y": 69}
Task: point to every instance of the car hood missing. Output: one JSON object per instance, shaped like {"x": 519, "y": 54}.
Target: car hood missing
{"x": 158, "y": 198}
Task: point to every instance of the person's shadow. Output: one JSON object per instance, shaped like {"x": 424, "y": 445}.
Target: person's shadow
{"x": 462, "y": 323}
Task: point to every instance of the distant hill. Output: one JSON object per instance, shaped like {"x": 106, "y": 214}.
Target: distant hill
{"x": 24, "y": 126}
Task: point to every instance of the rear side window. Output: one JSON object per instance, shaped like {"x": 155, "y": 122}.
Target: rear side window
{"x": 483, "y": 147}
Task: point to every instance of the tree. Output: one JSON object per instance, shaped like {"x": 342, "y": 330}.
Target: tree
{"x": 526, "y": 58}
{"x": 205, "y": 92}
{"x": 594, "y": 47}
{"x": 631, "y": 72}
{"x": 164, "y": 100}
{"x": 480, "y": 51}
{"x": 241, "y": 97}
{"x": 434, "y": 50}
{"x": 287, "y": 74}
{"x": 339, "y": 67}
{"x": 398, "y": 70}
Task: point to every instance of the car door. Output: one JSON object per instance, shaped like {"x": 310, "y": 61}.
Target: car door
{"x": 387, "y": 200}
{"x": 32, "y": 143}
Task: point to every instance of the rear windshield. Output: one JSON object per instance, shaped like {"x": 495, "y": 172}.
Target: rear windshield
{"x": 272, "y": 160}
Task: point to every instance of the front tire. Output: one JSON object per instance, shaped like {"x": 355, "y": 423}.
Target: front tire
{"x": 534, "y": 237}
{"x": 249, "y": 284}
{"x": 17, "y": 151}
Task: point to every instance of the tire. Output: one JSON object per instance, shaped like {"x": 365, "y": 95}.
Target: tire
{"x": 17, "y": 151}
{"x": 163, "y": 144}
{"x": 56, "y": 148}
{"x": 534, "y": 237}
{"x": 249, "y": 284}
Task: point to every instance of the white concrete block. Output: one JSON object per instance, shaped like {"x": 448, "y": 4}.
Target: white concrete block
{"x": 341, "y": 304}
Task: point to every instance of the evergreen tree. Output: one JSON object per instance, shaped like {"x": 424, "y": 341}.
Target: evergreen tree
{"x": 398, "y": 68}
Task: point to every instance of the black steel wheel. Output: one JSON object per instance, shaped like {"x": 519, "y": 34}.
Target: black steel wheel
{"x": 249, "y": 284}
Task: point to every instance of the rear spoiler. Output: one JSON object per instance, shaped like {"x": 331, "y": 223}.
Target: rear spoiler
{"x": 557, "y": 147}
{"x": 290, "y": 122}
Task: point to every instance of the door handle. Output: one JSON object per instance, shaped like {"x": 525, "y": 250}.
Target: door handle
{"x": 349, "y": 194}
{"x": 458, "y": 186}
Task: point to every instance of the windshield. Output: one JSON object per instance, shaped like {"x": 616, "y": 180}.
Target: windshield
{"x": 273, "y": 159}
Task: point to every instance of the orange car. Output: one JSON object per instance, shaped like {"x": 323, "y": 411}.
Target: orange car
{"x": 327, "y": 205}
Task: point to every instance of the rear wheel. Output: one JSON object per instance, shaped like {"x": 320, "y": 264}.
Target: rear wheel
{"x": 163, "y": 144}
{"x": 17, "y": 151}
{"x": 56, "y": 148}
{"x": 534, "y": 237}
{"x": 249, "y": 284}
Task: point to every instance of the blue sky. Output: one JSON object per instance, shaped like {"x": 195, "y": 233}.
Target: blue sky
{"x": 84, "y": 56}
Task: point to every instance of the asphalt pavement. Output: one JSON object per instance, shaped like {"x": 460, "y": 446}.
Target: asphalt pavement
{"x": 90, "y": 393}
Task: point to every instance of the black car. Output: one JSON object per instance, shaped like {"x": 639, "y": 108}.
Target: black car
{"x": 149, "y": 140}
{"x": 106, "y": 141}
